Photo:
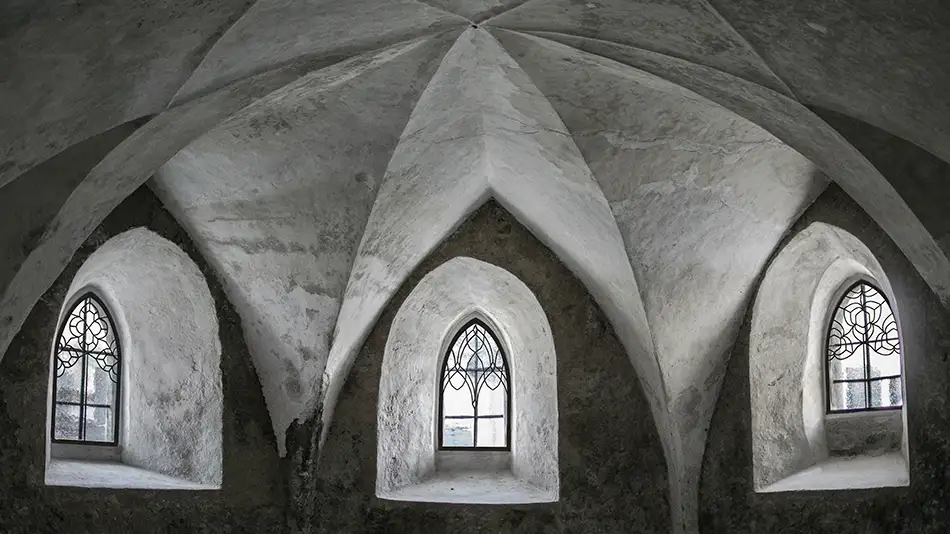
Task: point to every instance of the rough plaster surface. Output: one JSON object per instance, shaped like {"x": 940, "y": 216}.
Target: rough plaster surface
{"x": 278, "y": 197}
{"x": 87, "y": 474}
{"x": 848, "y": 473}
{"x": 870, "y": 434}
{"x": 833, "y": 56}
{"x": 94, "y": 66}
{"x": 787, "y": 346}
{"x": 728, "y": 501}
{"x": 482, "y": 129}
{"x": 410, "y": 385}
{"x": 277, "y": 32}
{"x": 610, "y": 458}
{"x": 69, "y": 72}
{"x": 804, "y": 131}
{"x": 701, "y": 196}
{"x": 170, "y": 417}
{"x": 688, "y": 29}
{"x": 134, "y": 160}
{"x": 251, "y": 495}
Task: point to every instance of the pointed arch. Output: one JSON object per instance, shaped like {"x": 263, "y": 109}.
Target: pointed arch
{"x": 863, "y": 352}
{"x": 488, "y": 382}
{"x": 87, "y": 376}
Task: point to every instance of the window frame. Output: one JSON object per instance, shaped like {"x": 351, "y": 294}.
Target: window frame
{"x": 829, "y": 381}
{"x": 117, "y": 415}
{"x": 441, "y": 396}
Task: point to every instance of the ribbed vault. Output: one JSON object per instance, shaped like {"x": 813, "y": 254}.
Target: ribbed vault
{"x": 316, "y": 152}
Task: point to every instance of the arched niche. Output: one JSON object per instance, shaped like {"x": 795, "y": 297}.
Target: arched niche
{"x": 792, "y": 435}
{"x": 170, "y": 422}
{"x": 409, "y": 465}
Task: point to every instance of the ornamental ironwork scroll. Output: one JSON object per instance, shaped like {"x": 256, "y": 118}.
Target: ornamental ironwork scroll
{"x": 86, "y": 375}
{"x": 864, "y": 353}
{"x": 475, "y": 396}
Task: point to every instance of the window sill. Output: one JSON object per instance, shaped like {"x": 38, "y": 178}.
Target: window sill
{"x": 840, "y": 473}
{"x": 472, "y": 488}
{"x": 111, "y": 474}
{"x": 472, "y": 477}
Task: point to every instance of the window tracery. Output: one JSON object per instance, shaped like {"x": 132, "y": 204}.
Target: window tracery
{"x": 87, "y": 376}
{"x": 475, "y": 396}
{"x": 863, "y": 353}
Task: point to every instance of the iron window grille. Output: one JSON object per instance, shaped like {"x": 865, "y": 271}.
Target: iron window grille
{"x": 863, "y": 353}
{"x": 87, "y": 376}
{"x": 475, "y": 392}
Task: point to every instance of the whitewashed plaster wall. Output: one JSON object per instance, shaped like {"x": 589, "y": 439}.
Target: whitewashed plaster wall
{"x": 482, "y": 129}
{"x": 701, "y": 196}
{"x": 787, "y": 351}
{"x": 172, "y": 398}
{"x": 277, "y": 198}
{"x": 275, "y": 43}
{"x": 409, "y": 386}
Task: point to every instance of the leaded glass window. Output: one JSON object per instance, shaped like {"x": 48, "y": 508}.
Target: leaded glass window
{"x": 475, "y": 399}
{"x": 864, "y": 353}
{"x": 86, "y": 376}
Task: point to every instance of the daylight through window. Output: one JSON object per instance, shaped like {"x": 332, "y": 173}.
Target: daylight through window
{"x": 475, "y": 402}
{"x": 864, "y": 354}
{"x": 86, "y": 376}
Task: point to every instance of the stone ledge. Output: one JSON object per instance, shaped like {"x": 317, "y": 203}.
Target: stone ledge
{"x": 95, "y": 474}
{"x": 839, "y": 473}
{"x": 472, "y": 488}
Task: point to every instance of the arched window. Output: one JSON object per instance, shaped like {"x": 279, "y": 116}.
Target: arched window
{"x": 475, "y": 400}
{"x": 87, "y": 375}
{"x": 864, "y": 353}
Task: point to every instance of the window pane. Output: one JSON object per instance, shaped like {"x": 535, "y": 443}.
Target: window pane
{"x": 457, "y": 402}
{"x": 99, "y": 424}
{"x": 492, "y": 401}
{"x": 884, "y": 362}
{"x": 848, "y": 396}
{"x": 100, "y": 389}
{"x": 66, "y": 425}
{"x": 886, "y": 393}
{"x": 491, "y": 432}
{"x": 848, "y": 364}
{"x": 474, "y": 382}
{"x": 68, "y": 385}
{"x": 87, "y": 373}
{"x": 458, "y": 433}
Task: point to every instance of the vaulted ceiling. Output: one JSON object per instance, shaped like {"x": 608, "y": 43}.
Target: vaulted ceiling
{"x": 317, "y": 151}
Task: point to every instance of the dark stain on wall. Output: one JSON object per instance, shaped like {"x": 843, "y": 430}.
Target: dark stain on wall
{"x": 612, "y": 468}
{"x": 252, "y": 495}
{"x": 728, "y": 502}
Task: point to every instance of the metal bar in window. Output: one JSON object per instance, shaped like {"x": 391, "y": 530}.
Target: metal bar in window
{"x": 80, "y": 351}
{"x": 849, "y": 343}
{"x": 88, "y": 404}
{"x": 82, "y": 381}
{"x": 872, "y": 379}
{"x": 867, "y": 356}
